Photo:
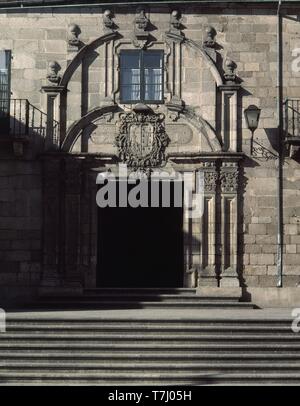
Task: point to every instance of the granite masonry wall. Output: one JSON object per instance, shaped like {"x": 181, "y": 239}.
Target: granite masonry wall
{"x": 248, "y": 39}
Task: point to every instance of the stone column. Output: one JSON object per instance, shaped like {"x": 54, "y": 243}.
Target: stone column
{"x": 52, "y": 140}
{"x": 191, "y": 249}
{"x": 229, "y": 177}
{"x": 208, "y": 256}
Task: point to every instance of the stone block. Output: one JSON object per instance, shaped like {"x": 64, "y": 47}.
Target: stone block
{"x": 252, "y": 249}
{"x": 249, "y": 239}
{"x": 262, "y": 259}
{"x": 257, "y": 229}
{"x": 291, "y": 248}
{"x": 291, "y": 229}
{"x": 269, "y": 249}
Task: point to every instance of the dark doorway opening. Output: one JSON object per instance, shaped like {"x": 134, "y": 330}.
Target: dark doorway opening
{"x": 141, "y": 247}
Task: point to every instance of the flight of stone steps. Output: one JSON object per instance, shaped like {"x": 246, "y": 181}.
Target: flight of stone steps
{"x": 114, "y": 298}
{"x": 81, "y": 348}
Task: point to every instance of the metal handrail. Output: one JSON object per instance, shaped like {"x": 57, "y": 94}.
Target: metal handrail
{"x": 20, "y": 118}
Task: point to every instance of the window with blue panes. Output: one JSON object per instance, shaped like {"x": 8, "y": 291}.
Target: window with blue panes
{"x": 141, "y": 76}
{"x": 5, "y": 58}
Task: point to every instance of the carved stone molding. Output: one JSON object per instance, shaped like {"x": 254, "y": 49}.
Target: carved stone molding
{"x": 142, "y": 139}
{"x": 175, "y": 106}
{"x": 141, "y": 26}
{"x": 229, "y": 177}
{"x": 210, "y": 176}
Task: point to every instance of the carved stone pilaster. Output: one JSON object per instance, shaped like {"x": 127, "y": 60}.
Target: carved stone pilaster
{"x": 207, "y": 272}
{"x": 210, "y": 177}
{"x": 174, "y": 38}
{"x": 229, "y": 177}
{"x": 52, "y": 140}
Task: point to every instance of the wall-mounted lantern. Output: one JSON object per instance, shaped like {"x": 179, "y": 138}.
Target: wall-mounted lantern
{"x": 252, "y": 115}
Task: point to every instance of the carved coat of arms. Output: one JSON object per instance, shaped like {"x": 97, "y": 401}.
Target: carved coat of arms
{"x": 142, "y": 140}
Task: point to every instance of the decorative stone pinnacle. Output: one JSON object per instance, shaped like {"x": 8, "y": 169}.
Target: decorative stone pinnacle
{"x": 175, "y": 20}
{"x": 175, "y": 24}
{"x": 141, "y": 21}
{"x": 141, "y": 26}
{"x": 229, "y": 75}
{"x": 209, "y": 40}
{"x": 108, "y": 24}
{"x": 74, "y": 32}
{"x": 52, "y": 75}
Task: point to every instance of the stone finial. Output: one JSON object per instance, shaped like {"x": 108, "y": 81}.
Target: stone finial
{"x": 52, "y": 75}
{"x": 209, "y": 39}
{"x": 229, "y": 75}
{"x": 175, "y": 24}
{"x": 108, "y": 24}
{"x": 141, "y": 25}
{"x": 73, "y": 36}
{"x": 141, "y": 21}
{"x": 175, "y": 21}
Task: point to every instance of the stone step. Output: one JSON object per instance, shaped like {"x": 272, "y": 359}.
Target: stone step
{"x": 217, "y": 365}
{"x": 152, "y": 346}
{"x": 91, "y": 336}
{"x": 111, "y": 378}
{"x": 148, "y": 319}
{"x": 149, "y": 382}
{"x": 136, "y": 297}
{"x": 129, "y": 328}
{"x": 144, "y": 291}
{"x": 109, "y": 356}
{"x": 191, "y": 304}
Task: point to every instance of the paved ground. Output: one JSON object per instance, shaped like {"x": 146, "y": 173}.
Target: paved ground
{"x": 153, "y": 314}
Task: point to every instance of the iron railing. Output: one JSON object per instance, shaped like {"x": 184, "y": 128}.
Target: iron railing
{"x": 292, "y": 118}
{"x": 19, "y": 118}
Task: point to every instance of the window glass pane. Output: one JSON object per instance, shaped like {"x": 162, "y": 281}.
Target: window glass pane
{"x": 130, "y": 76}
{"x": 4, "y": 82}
{"x": 153, "y": 75}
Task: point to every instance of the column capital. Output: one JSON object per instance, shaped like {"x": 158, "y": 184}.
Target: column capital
{"x": 52, "y": 90}
{"x": 229, "y": 176}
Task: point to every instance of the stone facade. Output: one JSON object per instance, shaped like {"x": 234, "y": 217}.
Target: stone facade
{"x": 47, "y": 191}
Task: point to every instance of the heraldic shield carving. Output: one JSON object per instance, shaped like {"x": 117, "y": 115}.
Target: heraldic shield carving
{"x": 142, "y": 140}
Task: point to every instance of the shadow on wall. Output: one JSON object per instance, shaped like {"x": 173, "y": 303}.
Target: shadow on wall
{"x": 21, "y": 123}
